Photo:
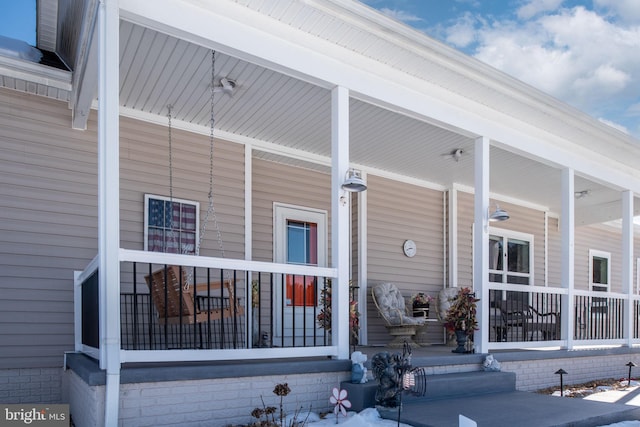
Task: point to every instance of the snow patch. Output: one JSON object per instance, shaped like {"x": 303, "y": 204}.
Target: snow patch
{"x": 19, "y": 49}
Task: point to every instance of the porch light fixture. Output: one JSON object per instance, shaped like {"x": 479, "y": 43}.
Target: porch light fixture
{"x": 354, "y": 182}
{"x": 582, "y": 194}
{"x": 498, "y": 215}
{"x": 226, "y": 86}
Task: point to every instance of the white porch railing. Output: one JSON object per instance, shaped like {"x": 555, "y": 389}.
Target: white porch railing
{"x": 522, "y": 316}
{"x": 263, "y": 310}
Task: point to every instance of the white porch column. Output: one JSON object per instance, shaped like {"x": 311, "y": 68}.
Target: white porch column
{"x": 109, "y": 202}
{"x": 340, "y": 233}
{"x": 481, "y": 241}
{"x": 567, "y": 231}
{"x": 627, "y": 262}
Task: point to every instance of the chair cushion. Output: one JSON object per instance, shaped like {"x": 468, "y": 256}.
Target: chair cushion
{"x": 391, "y": 304}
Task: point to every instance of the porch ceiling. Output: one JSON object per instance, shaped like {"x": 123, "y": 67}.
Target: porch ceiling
{"x": 272, "y": 109}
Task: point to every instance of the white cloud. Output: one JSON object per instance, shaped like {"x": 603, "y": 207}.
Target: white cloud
{"x": 535, "y": 7}
{"x": 625, "y": 10}
{"x": 573, "y": 54}
{"x": 615, "y": 125}
{"x": 604, "y": 76}
{"x": 400, "y": 15}
{"x": 462, "y": 33}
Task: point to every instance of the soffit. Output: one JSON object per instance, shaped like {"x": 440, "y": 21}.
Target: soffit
{"x": 368, "y": 33}
{"x": 157, "y": 70}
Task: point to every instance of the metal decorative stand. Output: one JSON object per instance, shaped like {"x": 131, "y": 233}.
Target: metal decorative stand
{"x": 395, "y": 376}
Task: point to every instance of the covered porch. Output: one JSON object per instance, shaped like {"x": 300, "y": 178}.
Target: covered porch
{"x": 313, "y": 108}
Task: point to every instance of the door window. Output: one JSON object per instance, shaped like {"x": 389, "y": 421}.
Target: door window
{"x": 302, "y": 248}
{"x": 512, "y": 265}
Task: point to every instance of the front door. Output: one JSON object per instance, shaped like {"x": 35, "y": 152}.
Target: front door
{"x": 300, "y": 238}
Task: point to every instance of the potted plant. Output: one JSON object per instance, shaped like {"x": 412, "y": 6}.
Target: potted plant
{"x": 324, "y": 317}
{"x": 461, "y": 318}
{"x": 420, "y": 303}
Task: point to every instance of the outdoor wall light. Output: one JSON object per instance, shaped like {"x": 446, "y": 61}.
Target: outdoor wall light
{"x": 498, "y": 215}
{"x": 353, "y": 181}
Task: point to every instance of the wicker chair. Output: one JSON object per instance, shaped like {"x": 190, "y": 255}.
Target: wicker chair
{"x": 400, "y": 325}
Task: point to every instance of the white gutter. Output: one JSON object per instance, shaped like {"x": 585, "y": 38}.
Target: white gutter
{"x": 35, "y": 73}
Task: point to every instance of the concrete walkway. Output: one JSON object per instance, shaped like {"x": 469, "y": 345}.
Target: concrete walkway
{"x": 517, "y": 409}
{"x": 506, "y": 407}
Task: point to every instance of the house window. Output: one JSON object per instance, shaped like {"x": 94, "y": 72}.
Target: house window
{"x": 510, "y": 257}
{"x": 170, "y": 225}
{"x": 599, "y": 270}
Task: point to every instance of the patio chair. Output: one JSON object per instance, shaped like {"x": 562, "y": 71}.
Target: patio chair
{"x": 180, "y": 304}
{"x": 517, "y": 314}
{"x": 391, "y": 305}
{"x": 547, "y": 324}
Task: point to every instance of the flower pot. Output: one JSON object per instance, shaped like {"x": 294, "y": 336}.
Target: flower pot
{"x": 461, "y": 340}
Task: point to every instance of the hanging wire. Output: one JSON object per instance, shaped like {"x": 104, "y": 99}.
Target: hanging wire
{"x": 211, "y": 212}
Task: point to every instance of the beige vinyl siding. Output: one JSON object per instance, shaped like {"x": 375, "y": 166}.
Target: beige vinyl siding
{"x": 522, "y": 219}
{"x": 276, "y": 182}
{"x": 601, "y": 238}
{"x": 555, "y": 253}
{"x": 48, "y": 208}
{"x": 465, "y": 239}
{"x": 396, "y": 212}
{"x": 48, "y": 220}
{"x": 144, "y": 168}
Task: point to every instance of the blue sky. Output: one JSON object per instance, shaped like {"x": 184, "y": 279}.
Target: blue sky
{"x": 18, "y": 20}
{"x": 583, "y": 52}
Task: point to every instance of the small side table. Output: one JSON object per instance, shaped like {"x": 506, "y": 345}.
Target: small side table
{"x": 421, "y": 312}
{"x": 421, "y": 334}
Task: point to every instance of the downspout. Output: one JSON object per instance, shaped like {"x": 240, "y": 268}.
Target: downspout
{"x": 362, "y": 264}
{"x": 546, "y": 248}
{"x": 248, "y": 236}
{"x": 627, "y": 263}
{"x": 109, "y": 203}
{"x": 453, "y": 236}
{"x": 567, "y": 229}
{"x": 445, "y": 237}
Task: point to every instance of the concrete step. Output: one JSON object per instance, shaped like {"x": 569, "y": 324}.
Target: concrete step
{"x": 444, "y": 386}
{"x": 447, "y": 386}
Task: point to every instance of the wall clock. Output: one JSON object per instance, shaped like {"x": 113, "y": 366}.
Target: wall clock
{"x": 409, "y": 248}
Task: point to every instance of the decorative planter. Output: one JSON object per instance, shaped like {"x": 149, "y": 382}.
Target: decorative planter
{"x": 461, "y": 340}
